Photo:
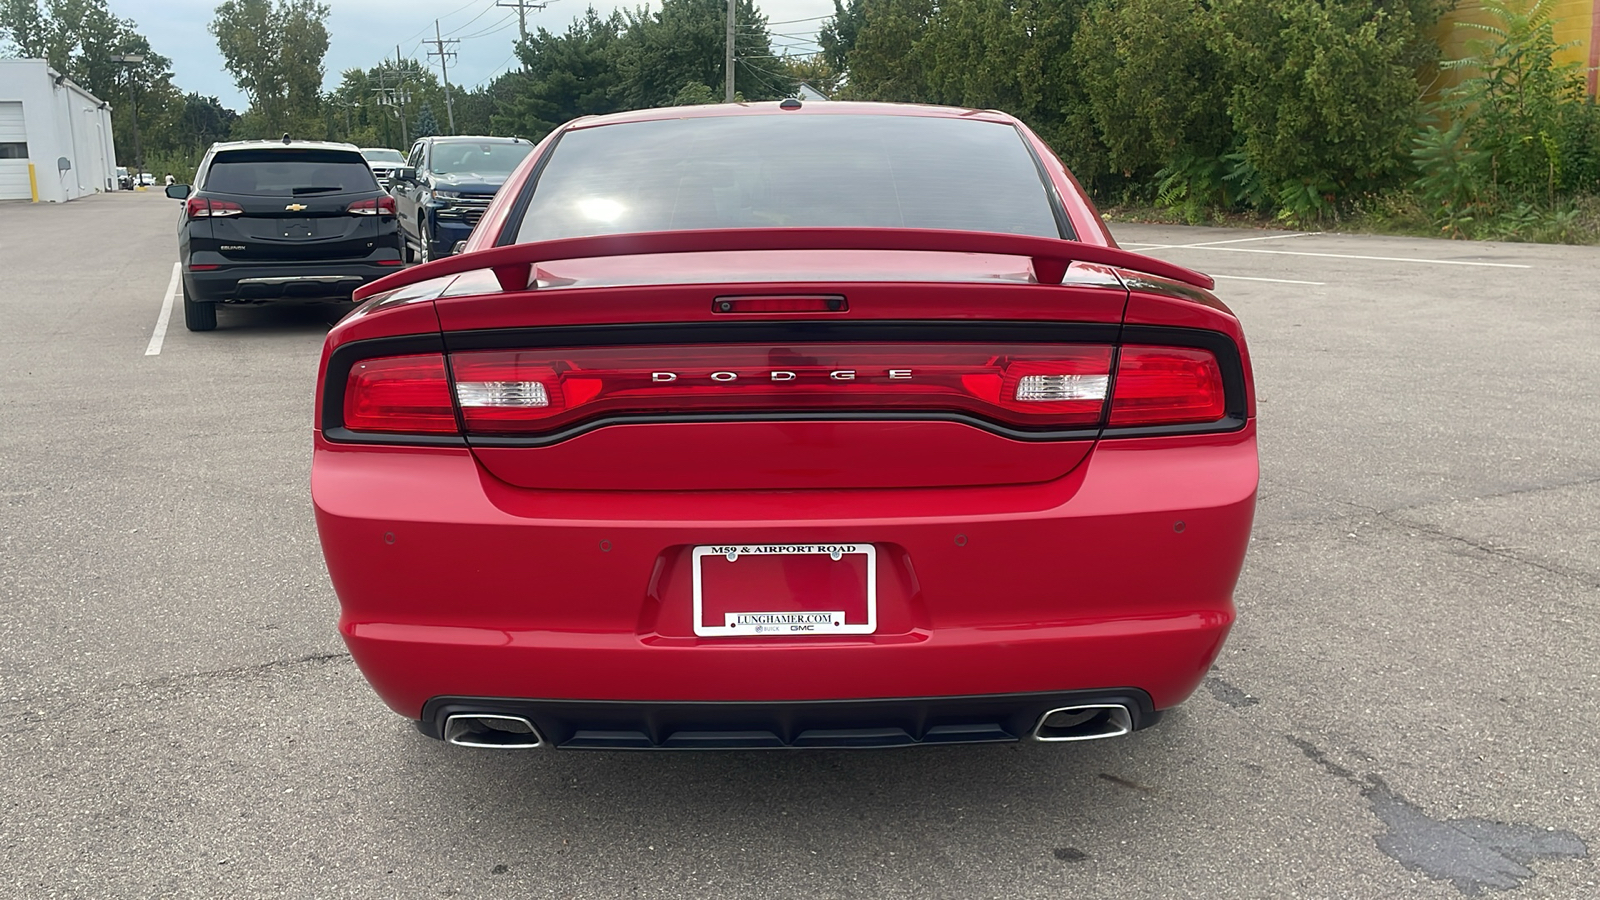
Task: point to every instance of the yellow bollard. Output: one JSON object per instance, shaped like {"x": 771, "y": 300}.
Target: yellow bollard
{"x": 33, "y": 183}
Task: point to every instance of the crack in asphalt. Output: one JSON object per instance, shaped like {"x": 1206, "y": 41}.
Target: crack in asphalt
{"x": 1228, "y": 693}
{"x": 1472, "y": 854}
{"x": 167, "y": 681}
{"x": 1394, "y": 518}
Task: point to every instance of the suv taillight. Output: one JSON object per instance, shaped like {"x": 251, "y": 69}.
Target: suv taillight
{"x": 399, "y": 394}
{"x": 205, "y": 208}
{"x": 378, "y": 206}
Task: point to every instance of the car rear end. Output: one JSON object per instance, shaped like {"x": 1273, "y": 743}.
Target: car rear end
{"x": 270, "y": 222}
{"x": 787, "y": 487}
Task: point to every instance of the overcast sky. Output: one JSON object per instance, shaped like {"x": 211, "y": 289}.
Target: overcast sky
{"x": 362, "y": 32}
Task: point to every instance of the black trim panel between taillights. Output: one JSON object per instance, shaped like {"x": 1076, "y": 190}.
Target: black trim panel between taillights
{"x": 346, "y": 356}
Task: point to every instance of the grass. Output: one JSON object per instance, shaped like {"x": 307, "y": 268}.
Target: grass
{"x": 1571, "y": 221}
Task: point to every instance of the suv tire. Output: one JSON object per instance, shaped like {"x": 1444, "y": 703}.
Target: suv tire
{"x": 199, "y": 316}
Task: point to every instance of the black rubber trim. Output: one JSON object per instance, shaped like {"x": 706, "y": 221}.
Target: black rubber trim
{"x": 1058, "y": 209}
{"x": 736, "y": 725}
{"x": 519, "y": 207}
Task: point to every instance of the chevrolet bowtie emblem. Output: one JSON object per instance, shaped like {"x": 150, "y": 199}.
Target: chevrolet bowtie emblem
{"x": 295, "y": 207}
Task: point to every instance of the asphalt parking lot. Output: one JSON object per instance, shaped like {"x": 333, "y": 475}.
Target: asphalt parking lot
{"x": 1407, "y": 707}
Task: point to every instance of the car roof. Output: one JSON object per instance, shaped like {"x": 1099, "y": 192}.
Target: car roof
{"x": 814, "y": 107}
{"x": 474, "y": 139}
{"x": 291, "y": 145}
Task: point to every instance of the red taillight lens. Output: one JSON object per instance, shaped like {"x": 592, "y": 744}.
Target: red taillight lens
{"x": 205, "y": 208}
{"x": 1040, "y": 386}
{"x": 404, "y": 394}
{"x": 1167, "y": 386}
{"x": 378, "y": 206}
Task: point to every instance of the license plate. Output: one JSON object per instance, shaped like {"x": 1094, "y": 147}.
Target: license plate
{"x": 785, "y": 590}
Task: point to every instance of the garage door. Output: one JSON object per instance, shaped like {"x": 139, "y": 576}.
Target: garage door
{"x": 13, "y": 153}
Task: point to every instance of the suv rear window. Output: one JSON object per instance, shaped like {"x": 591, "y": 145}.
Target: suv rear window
{"x": 790, "y": 171}
{"x": 289, "y": 172}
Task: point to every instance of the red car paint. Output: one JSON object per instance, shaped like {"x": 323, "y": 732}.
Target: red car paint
{"x": 1008, "y": 561}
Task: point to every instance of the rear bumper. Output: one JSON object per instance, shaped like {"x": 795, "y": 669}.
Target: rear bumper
{"x": 282, "y": 281}
{"x": 612, "y": 725}
{"x": 1116, "y": 577}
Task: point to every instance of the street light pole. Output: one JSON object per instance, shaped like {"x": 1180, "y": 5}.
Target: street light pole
{"x": 127, "y": 61}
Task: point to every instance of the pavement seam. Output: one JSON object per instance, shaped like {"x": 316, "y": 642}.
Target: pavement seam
{"x": 1395, "y": 518}
{"x": 166, "y": 681}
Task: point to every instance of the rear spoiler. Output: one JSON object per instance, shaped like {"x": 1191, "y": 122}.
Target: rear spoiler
{"x": 513, "y": 264}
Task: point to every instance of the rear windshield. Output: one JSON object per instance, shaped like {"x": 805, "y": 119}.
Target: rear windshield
{"x": 289, "y": 173}
{"x": 459, "y": 158}
{"x": 790, "y": 171}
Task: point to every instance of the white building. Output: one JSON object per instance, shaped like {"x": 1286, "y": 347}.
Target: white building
{"x": 55, "y": 137}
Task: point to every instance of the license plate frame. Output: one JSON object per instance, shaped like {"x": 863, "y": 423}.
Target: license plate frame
{"x": 782, "y": 623}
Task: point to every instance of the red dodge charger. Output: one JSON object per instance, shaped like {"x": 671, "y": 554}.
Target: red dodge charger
{"x": 786, "y": 425}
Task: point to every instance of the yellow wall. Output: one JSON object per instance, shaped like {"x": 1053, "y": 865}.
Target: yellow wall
{"x": 1575, "y": 22}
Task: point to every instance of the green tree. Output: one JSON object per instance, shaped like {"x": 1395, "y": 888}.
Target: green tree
{"x": 427, "y": 125}
{"x": 275, "y": 53}
{"x": 1323, "y": 97}
{"x": 23, "y": 26}
{"x": 563, "y": 76}
{"x": 683, "y": 42}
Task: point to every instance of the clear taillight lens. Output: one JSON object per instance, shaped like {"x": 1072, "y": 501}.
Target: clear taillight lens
{"x": 400, "y": 394}
{"x": 1167, "y": 386}
{"x": 544, "y": 390}
{"x": 378, "y": 206}
{"x": 206, "y": 208}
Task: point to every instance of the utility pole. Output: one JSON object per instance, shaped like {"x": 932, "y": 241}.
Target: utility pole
{"x": 445, "y": 56}
{"x": 522, "y": 7}
{"x": 346, "y": 105}
{"x": 127, "y": 61}
{"x": 400, "y": 77}
{"x": 383, "y": 92}
{"x": 727, "y": 58}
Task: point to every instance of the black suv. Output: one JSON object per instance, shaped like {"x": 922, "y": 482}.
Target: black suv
{"x": 281, "y": 220}
{"x": 445, "y": 186}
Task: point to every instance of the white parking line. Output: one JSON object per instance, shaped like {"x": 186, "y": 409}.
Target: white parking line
{"x": 1269, "y": 237}
{"x": 154, "y": 349}
{"x": 1273, "y": 280}
{"x": 1408, "y": 259}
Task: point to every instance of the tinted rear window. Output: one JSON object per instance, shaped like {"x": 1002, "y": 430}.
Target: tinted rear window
{"x": 790, "y": 171}
{"x": 289, "y": 173}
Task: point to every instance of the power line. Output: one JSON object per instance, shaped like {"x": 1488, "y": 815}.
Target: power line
{"x": 496, "y": 28}
{"x": 463, "y": 25}
{"x": 469, "y": 4}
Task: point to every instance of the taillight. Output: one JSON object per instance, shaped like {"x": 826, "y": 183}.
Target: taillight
{"x": 404, "y": 394}
{"x": 206, "y": 208}
{"x": 377, "y": 206}
{"x": 1037, "y": 386}
{"x": 1167, "y": 386}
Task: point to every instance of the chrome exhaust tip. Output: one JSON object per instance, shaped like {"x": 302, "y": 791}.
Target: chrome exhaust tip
{"x": 1089, "y": 722}
{"x": 491, "y": 731}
